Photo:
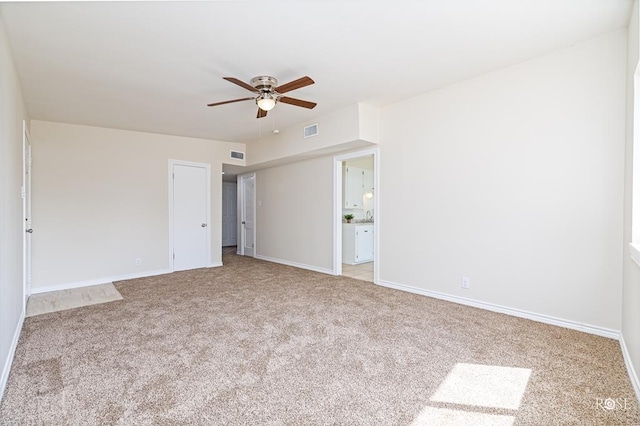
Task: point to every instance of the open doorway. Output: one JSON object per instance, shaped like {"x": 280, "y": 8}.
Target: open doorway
{"x": 356, "y": 214}
{"x": 247, "y": 211}
{"x": 229, "y": 213}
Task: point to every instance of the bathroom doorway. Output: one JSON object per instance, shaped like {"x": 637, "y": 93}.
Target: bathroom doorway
{"x": 356, "y": 210}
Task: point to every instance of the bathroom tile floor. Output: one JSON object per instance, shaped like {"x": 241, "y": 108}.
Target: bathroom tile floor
{"x": 363, "y": 271}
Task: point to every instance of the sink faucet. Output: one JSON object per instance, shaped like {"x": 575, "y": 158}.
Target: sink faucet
{"x": 369, "y": 216}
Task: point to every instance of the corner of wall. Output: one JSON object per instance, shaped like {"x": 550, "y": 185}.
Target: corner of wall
{"x": 633, "y": 376}
{"x": 369, "y": 123}
{"x": 6, "y": 368}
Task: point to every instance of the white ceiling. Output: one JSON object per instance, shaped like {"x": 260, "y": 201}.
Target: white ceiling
{"x": 153, "y": 66}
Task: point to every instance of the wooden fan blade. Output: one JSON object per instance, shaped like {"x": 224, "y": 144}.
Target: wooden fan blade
{"x": 241, "y": 84}
{"x": 297, "y": 102}
{"x": 296, "y": 84}
{"x": 261, "y": 113}
{"x": 229, "y": 102}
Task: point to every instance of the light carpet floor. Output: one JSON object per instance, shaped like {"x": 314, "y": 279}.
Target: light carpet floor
{"x": 259, "y": 343}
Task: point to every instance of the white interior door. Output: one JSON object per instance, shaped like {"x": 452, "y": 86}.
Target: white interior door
{"x": 191, "y": 236}
{"x": 26, "y": 144}
{"x": 247, "y": 206}
{"x": 229, "y": 214}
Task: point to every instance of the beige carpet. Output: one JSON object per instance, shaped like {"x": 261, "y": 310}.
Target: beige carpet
{"x": 259, "y": 343}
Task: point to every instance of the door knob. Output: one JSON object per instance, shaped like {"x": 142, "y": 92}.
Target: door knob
{"x": 204, "y": 225}
{"x": 30, "y": 230}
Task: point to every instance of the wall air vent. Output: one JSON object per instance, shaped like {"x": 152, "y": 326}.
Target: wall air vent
{"x": 237, "y": 155}
{"x": 311, "y": 130}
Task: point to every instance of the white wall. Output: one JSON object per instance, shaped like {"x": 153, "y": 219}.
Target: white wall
{"x": 631, "y": 286}
{"x": 514, "y": 179}
{"x": 12, "y": 113}
{"x": 100, "y": 200}
{"x": 294, "y": 213}
{"x": 338, "y": 127}
{"x": 361, "y": 162}
{"x": 369, "y": 123}
{"x": 352, "y": 127}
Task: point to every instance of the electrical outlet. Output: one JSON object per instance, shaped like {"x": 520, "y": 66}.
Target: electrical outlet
{"x": 138, "y": 261}
{"x": 465, "y": 283}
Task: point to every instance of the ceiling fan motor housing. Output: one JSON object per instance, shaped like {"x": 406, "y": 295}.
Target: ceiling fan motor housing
{"x": 268, "y": 96}
{"x": 264, "y": 83}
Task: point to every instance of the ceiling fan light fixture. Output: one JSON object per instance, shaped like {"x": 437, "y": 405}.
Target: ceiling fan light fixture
{"x": 267, "y": 93}
{"x": 266, "y": 102}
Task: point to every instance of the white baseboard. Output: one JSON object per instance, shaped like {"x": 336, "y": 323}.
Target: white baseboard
{"x": 214, "y": 265}
{"x": 297, "y": 265}
{"x": 6, "y": 369}
{"x": 632, "y": 372}
{"x": 587, "y": 328}
{"x": 105, "y": 280}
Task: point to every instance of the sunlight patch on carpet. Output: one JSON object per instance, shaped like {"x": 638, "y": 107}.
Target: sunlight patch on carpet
{"x": 484, "y": 386}
{"x": 61, "y": 300}
{"x": 433, "y": 416}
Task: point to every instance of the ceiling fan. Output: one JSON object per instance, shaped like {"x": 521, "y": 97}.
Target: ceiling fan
{"x": 268, "y": 93}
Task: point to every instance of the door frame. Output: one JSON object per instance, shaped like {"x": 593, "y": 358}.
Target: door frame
{"x": 222, "y": 205}
{"x": 26, "y": 202}
{"x": 207, "y": 167}
{"x": 337, "y": 209}
{"x": 241, "y": 209}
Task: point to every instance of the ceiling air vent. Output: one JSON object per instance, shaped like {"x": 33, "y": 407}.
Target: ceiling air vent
{"x": 237, "y": 155}
{"x": 311, "y": 130}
